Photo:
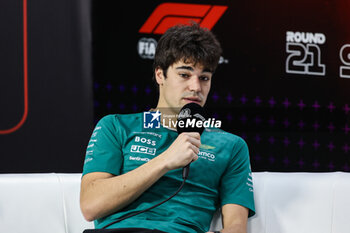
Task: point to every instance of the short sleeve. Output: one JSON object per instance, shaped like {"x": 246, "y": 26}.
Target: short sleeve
{"x": 237, "y": 182}
{"x": 104, "y": 153}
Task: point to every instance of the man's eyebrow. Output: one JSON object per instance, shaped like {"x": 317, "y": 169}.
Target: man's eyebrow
{"x": 185, "y": 68}
{"x": 190, "y": 68}
{"x": 207, "y": 70}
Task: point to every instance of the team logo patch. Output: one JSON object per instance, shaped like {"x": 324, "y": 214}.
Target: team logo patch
{"x": 206, "y": 147}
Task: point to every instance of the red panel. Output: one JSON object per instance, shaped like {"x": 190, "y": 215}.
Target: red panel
{"x": 25, "y": 71}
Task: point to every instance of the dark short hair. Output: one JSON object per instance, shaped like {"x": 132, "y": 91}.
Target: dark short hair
{"x": 191, "y": 43}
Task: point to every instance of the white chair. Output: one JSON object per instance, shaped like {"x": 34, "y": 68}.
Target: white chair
{"x": 285, "y": 203}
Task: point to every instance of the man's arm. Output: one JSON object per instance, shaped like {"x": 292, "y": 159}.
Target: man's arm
{"x": 234, "y": 218}
{"x": 103, "y": 193}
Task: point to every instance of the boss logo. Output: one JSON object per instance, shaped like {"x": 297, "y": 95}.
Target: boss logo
{"x": 145, "y": 141}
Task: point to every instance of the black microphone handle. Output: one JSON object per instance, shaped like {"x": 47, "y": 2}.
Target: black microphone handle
{"x": 185, "y": 171}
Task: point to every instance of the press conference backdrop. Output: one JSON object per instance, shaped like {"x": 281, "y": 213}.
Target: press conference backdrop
{"x": 46, "y": 111}
{"x": 282, "y": 83}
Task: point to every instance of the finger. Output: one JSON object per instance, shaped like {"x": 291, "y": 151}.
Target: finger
{"x": 195, "y": 149}
{"x": 191, "y": 134}
{"x": 190, "y": 137}
{"x": 194, "y": 134}
{"x": 195, "y": 157}
{"x": 195, "y": 141}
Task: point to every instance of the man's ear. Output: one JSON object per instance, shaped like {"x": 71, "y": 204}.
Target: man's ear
{"x": 159, "y": 75}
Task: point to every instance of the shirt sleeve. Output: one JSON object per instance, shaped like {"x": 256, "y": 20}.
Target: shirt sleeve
{"x": 104, "y": 153}
{"x": 237, "y": 182}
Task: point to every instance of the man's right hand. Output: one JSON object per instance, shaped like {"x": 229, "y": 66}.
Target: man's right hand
{"x": 103, "y": 193}
{"x": 182, "y": 151}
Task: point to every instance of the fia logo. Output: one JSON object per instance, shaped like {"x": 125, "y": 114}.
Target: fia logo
{"x": 304, "y": 53}
{"x": 146, "y": 48}
{"x": 151, "y": 120}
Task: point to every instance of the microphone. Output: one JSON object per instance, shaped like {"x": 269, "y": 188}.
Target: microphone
{"x": 190, "y": 119}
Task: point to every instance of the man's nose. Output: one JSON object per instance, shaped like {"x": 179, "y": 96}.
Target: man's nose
{"x": 195, "y": 84}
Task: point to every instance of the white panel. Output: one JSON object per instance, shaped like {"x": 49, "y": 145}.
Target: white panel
{"x": 341, "y": 211}
{"x": 285, "y": 203}
{"x": 75, "y": 221}
{"x": 30, "y": 203}
{"x": 256, "y": 224}
{"x": 299, "y": 202}
{"x": 216, "y": 222}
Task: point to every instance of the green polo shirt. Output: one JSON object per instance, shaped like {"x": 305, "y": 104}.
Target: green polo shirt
{"x": 221, "y": 175}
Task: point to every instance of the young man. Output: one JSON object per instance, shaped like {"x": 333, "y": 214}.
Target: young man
{"x": 119, "y": 178}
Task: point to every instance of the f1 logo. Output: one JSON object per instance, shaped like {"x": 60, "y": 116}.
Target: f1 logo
{"x": 167, "y": 15}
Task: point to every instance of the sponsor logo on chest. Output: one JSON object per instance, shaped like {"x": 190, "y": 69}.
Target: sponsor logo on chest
{"x": 207, "y": 155}
{"x": 143, "y": 145}
{"x": 145, "y": 141}
{"x": 143, "y": 149}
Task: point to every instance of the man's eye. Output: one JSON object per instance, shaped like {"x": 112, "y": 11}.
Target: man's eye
{"x": 204, "y": 78}
{"x": 184, "y": 75}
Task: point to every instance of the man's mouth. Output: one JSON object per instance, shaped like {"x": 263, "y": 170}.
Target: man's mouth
{"x": 193, "y": 100}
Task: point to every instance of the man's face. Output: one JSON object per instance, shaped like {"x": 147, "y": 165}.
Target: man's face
{"x": 184, "y": 83}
